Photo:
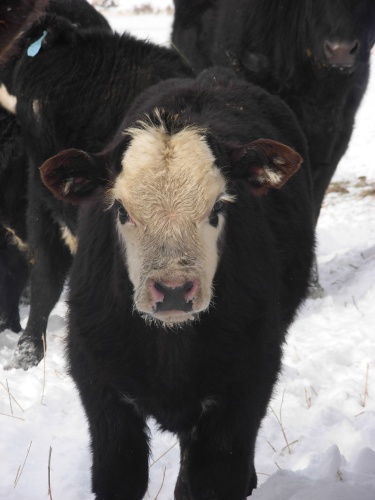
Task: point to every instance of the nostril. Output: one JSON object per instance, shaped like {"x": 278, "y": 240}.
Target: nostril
{"x": 191, "y": 290}
{"x": 159, "y": 286}
{"x": 187, "y": 286}
{"x": 328, "y": 49}
{"x": 355, "y": 48}
{"x": 157, "y": 291}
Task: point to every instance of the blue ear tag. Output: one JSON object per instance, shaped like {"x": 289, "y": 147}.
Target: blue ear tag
{"x": 35, "y": 47}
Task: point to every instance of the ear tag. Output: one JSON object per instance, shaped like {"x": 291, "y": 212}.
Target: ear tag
{"x": 35, "y": 47}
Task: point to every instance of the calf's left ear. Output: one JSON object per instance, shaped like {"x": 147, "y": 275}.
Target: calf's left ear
{"x": 73, "y": 175}
{"x": 266, "y": 164}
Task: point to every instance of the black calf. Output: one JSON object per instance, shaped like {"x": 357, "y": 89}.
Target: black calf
{"x": 203, "y": 183}
{"x": 14, "y": 255}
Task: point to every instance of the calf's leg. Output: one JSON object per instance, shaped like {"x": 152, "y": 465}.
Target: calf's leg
{"x": 119, "y": 443}
{"x": 217, "y": 461}
{"x": 52, "y": 260}
{"x": 14, "y": 271}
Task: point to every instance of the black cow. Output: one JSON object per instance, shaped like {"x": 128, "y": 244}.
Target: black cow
{"x": 313, "y": 53}
{"x": 195, "y": 246}
{"x": 72, "y": 93}
{"x": 15, "y": 257}
{"x": 15, "y": 16}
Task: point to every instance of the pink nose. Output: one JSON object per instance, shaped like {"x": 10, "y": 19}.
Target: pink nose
{"x": 173, "y": 295}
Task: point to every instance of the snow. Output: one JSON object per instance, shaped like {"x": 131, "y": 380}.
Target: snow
{"x": 327, "y": 417}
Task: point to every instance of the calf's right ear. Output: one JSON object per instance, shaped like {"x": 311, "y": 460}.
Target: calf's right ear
{"x": 73, "y": 175}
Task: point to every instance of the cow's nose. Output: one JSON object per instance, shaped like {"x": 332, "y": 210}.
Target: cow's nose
{"x": 341, "y": 53}
{"x": 173, "y": 296}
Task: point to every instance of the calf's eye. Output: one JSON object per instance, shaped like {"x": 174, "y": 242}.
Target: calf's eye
{"x": 217, "y": 207}
{"x": 122, "y": 214}
{"x": 214, "y": 216}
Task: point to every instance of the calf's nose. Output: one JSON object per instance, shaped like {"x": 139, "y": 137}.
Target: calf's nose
{"x": 173, "y": 296}
{"x": 341, "y": 53}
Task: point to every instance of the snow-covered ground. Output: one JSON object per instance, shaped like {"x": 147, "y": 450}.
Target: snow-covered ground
{"x": 325, "y": 398}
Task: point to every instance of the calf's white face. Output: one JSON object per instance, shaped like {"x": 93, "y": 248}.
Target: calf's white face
{"x": 169, "y": 196}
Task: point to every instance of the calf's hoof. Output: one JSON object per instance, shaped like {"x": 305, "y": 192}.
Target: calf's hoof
{"x": 10, "y": 324}
{"x": 27, "y": 354}
{"x": 316, "y": 291}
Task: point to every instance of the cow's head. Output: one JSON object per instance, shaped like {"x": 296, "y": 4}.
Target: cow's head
{"x": 342, "y": 32}
{"x": 326, "y": 35}
{"x": 169, "y": 201}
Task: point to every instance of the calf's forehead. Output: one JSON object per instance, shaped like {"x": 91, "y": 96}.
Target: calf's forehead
{"x": 168, "y": 175}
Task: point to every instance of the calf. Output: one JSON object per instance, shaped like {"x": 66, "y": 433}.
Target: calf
{"x": 73, "y": 92}
{"x": 195, "y": 245}
{"x": 15, "y": 17}
{"x": 14, "y": 258}
{"x": 313, "y": 53}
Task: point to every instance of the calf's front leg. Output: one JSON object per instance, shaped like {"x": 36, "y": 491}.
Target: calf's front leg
{"x": 119, "y": 443}
{"x": 217, "y": 460}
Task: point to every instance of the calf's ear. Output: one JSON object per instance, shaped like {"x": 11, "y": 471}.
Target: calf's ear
{"x": 16, "y": 17}
{"x": 73, "y": 175}
{"x": 266, "y": 164}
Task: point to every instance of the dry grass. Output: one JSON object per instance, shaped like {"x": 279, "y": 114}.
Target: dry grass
{"x": 11, "y": 397}
{"x": 20, "y": 469}
{"x": 365, "y": 392}
{"x": 280, "y": 421}
{"x": 338, "y": 187}
{"x": 361, "y": 188}
{"x": 49, "y": 473}
{"x": 44, "y": 368}
{"x": 147, "y": 8}
{"x": 12, "y": 416}
{"x": 162, "y": 483}
{"x": 367, "y": 188}
{"x": 361, "y": 182}
{"x": 161, "y": 456}
{"x": 138, "y": 10}
{"x": 105, "y": 4}
{"x": 308, "y": 399}
{"x": 370, "y": 191}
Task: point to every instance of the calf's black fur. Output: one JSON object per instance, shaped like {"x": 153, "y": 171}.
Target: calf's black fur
{"x": 17, "y": 19}
{"x": 14, "y": 256}
{"x": 208, "y": 381}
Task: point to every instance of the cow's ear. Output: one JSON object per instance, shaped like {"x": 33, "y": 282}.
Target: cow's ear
{"x": 73, "y": 175}
{"x": 266, "y": 164}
